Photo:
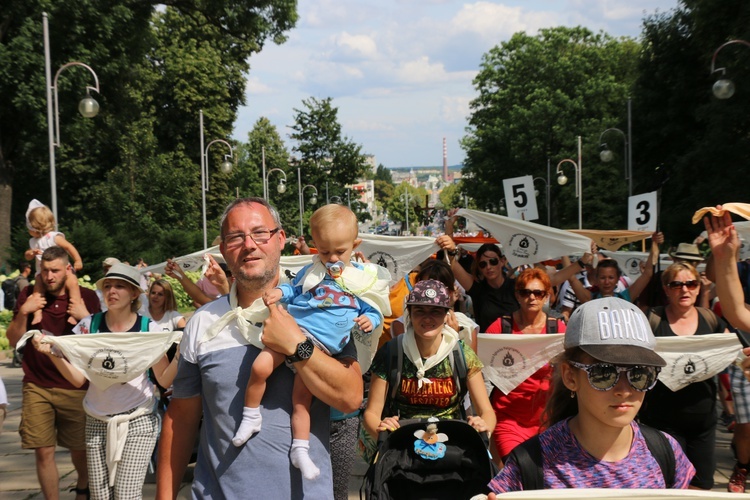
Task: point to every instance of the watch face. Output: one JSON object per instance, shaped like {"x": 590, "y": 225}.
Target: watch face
{"x": 305, "y": 349}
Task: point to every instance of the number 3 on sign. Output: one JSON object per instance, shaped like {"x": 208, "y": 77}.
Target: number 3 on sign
{"x": 642, "y": 212}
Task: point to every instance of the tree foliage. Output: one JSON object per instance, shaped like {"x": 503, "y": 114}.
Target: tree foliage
{"x": 135, "y": 168}
{"x": 535, "y": 95}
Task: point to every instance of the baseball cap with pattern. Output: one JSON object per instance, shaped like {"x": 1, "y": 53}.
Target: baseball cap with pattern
{"x": 613, "y": 330}
{"x": 429, "y": 293}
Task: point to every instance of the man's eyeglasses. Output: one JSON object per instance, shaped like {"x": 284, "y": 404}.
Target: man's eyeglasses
{"x": 492, "y": 262}
{"x": 604, "y": 376}
{"x": 260, "y": 237}
{"x": 691, "y": 284}
{"x": 525, "y": 293}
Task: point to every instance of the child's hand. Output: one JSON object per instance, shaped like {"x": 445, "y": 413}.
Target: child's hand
{"x": 78, "y": 265}
{"x": 272, "y": 296}
{"x": 364, "y": 323}
{"x": 37, "y": 251}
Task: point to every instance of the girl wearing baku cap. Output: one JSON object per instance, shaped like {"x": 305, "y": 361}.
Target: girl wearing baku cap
{"x": 127, "y": 405}
{"x": 592, "y": 440}
{"x": 427, "y": 387}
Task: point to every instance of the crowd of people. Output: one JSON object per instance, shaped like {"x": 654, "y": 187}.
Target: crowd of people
{"x": 268, "y": 376}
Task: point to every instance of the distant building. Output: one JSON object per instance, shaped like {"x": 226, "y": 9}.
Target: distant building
{"x": 370, "y": 160}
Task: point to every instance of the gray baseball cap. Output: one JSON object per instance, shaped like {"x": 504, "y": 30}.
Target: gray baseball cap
{"x": 613, "y": 330}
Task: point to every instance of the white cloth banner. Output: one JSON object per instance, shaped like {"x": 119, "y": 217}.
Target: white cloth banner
{"x": 293, "y": 263}
{"x": 106, "y": 359}
{"x": 696, "y": 357}
{"x": 526, "y": 242}
{"x": 190, "y": 262}
{"x": 602, "y": 493}
{"x": 398, "y": 254}
{"x": 629, "y": 262}
{"x": 509, "y": 359}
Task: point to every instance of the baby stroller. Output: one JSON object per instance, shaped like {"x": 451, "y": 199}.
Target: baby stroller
{"x": 434, "y": 459}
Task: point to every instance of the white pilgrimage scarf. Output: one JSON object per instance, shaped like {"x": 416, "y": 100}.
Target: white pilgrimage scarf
{"x": 249, "y": 320}
{"x": 526, "y": 242}
{"x": 450, "y": 337}
{"x": 106, "y": 359}
{"x": 509, "y": 359}
{"x": 398, "y": 254}
{"x": 696, "y": 357}
{"x": 370, "y": 284}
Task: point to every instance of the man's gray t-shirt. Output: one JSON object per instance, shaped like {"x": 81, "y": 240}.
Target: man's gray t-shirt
{"x": 218, "y": 371}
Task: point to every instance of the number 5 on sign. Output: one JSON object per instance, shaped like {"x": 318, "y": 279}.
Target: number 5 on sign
{"x": 519, "y": 198}
{"x": 642, "y": 212}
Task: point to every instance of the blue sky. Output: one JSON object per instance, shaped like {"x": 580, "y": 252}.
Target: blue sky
{"x": 400, "y": 71}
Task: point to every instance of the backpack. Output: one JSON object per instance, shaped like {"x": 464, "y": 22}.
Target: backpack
{"x": 96, "y": 321}
{"x": 507, "y": 324}
{"x": 656, "y": 315}
{"x": 10, "y": 292}
{"x": 528, "y": 456}
{"x": 395, "y": 365}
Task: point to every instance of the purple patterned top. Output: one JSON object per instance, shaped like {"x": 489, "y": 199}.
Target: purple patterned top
{"x": 567, "y": 465}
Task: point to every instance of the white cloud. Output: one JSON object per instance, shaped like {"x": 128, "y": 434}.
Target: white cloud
{"x": 255, "y": 87}
{"x": 360, "y": 47}
{"x": 455, "y": 108}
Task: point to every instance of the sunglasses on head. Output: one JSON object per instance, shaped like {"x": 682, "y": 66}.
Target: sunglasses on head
{"x": 525, "y": 293}
{"x": 604, "y": 376}
{"x": 493, "y": 261}
{"x": 691, "y": 284}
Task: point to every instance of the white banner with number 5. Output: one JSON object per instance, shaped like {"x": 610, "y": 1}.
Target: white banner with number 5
{"x": 642, "y": 212}
{"x": 519, "y": 198}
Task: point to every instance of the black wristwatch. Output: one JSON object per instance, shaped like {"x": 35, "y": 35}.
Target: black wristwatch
{"x": 303, "y": 352}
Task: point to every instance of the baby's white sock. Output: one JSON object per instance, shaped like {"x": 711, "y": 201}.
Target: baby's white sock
{"x": 251, "y": 422}
{"x": 301, "y": 459}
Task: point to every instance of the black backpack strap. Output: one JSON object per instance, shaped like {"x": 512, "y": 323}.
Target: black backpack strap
{"x": 551, "y": 324}
{"x": 506, "y": 322}
{"x": 458, "y": 363}
{"x": 659, "y": 446}
{"x": 395, "y": 365}
{"x": 710, "y": 317}
{"x": 528, "y": 457}
{"x": 655, "y": 317}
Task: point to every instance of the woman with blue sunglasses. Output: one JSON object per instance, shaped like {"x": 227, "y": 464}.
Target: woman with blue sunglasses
{"x": 592, "y": 439}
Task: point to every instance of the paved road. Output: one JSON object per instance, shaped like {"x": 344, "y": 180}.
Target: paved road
{"x": 18, "y": 473}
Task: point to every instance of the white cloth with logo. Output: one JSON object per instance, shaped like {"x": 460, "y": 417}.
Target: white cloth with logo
{"x": 106, "y": 359}
{"x": 695, "y": 357}
{"x": 411, "y": 351}
{"x": 249, "y": 320}
{"x": 509, "y": 359}
{"x": 526, "y": 242}
{"x": 398, "y": 254}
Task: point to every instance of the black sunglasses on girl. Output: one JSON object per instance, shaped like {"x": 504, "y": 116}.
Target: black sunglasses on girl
{"x": 492, "y": 261}
{"x": 691, "y": 284}
{"x": 604, "y": 376}
{"x": 525, "y": 293}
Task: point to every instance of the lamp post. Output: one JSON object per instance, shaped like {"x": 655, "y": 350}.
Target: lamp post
{"x": 88, "y": 107}
{"x": 546, "y": 189}
{"x": 313, "y": 201}
{"x": 606, "y": 153}
{"x": 490, "y": 208}
{"x": 405, "y": 197}
{"x": 280, "y": 188}
{"x": 562, "y": 180}
{"x": 226, "y": 167}
{"x": 723, "y": 88}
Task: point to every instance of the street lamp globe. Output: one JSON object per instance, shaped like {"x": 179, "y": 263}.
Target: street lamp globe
{"x": 562, "y": 179}
{"x": 724, "y": 88}
{"x": 281, "y": 188}
{"x": 606, "y": 155}
{"x": 226, "y": 166}
{"x": 313, "y": 200}
{"x": 88, "y": 107}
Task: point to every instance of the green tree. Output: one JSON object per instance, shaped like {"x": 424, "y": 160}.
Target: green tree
{"x": 451, "y": 196}
{"x": 262, "y": 139}
{"x": 396, "y": 206}
{"x": 383, "y": 174}
{"x": 687, "y": 142}
{"x": 535, "y": 95}
{"x": 326, "y": 159}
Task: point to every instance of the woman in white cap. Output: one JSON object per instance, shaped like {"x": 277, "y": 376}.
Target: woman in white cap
{"x": 592, "y": 440}
{"x": 131, "y": 402}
